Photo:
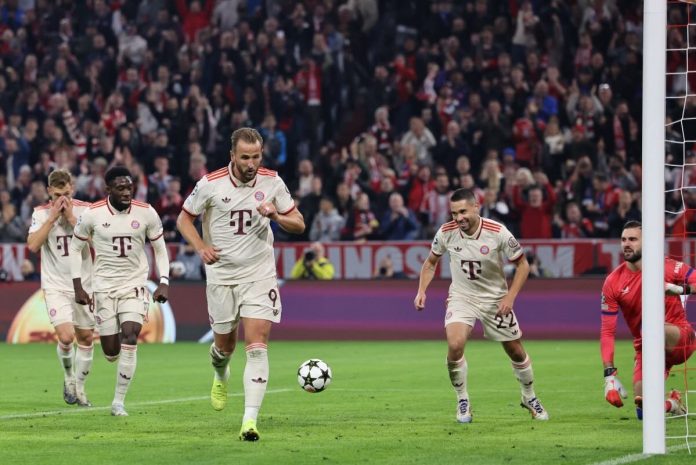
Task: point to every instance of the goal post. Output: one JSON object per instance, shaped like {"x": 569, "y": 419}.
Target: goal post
{"x": 653, "y": 193}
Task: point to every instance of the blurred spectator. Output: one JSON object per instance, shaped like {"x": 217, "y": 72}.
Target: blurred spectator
{"x": 436, "y": 204}
{"x": 275, "y": 152}
{"x": 327, "y": 224}
{"x": 196, "y": 16}
{"x": 385, "y": 270}
{"x": 190, "y": 265}
{"x": 536, "y": 210}
{"x": 29, "y": 271}
{"x": 12, "y": 229}
{"x": 303, "y": 185}
{"x": 169, "y": 206}
{"x": 494, "y": 208}
{"x": 421, "y": 138}
{"x": 362, "y": 224}
{"x": 22, "y": 186}
{"x": 399, "y": 223}
{"x": 572, "y": 225}
{"x": 313, "y": 264}
{"x": 626, "y": 209}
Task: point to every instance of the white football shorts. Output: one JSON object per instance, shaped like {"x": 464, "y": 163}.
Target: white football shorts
{"x": 496, "y": 328}
{"x": 113, "y": 308}
{"x": 62, "y": 308}
{"x": 228, "y": 303}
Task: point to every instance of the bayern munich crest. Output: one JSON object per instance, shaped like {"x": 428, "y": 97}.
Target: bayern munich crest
{"x": 448, "y": 315}
{"x": 52, "y": 312}
{"x": 135, "y": 224}
{"x": 484, "y": 249}
{"x": 258, "y": 195}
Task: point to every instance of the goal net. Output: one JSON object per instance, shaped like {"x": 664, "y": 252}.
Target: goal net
{"x": 680, "y": 190}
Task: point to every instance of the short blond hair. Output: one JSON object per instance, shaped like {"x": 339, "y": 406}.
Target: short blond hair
{"x": 59, "y": 178}
{"x": 249, "y": 135}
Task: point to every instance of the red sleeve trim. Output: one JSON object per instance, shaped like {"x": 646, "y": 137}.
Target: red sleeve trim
{"x": 183, "y": 209}
{"x": 155, "y": 238}
{"x": 81, "y": 238}
{"x": 436, "y": 254}
{"x": 513, "y": 260}
{"x": 286, "y": 212}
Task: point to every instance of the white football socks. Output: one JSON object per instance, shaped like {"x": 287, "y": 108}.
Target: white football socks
{"x": 66, "y": 353}
{"x": 125, "y": 371}
{"x": 458, "y": 373}
{"x": 220, "y": 362}
{"x": 525, "y": 375}
{"x": 83, "y": 364}
{"x": 255, "y": 379}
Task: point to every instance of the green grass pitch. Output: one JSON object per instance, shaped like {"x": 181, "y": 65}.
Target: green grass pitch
{"x": 389, "y": 403}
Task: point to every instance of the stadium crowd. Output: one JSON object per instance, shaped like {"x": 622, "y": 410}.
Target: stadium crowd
{"x": 373, "y": 111}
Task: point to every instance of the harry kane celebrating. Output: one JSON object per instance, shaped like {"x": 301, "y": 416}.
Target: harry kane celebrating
{"x": 238, "y": 202}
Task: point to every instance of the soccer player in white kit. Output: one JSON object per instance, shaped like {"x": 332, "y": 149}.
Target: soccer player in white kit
{"x": 477, "y": 247}
{"x": 50, "y": 233}
{"x": 118, "y": 227}
{"x": 238, "y": 202}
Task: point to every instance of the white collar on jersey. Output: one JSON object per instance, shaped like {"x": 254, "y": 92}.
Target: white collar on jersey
{"x": 113, "y": 211}
{"x": 236, "y": 182}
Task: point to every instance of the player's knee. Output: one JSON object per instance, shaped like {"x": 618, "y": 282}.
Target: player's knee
{"x": 130, "y": 339}
{"x": 111, "y": 357}
{"x": 455, "y": 353}
{"x": 66, "y": 340}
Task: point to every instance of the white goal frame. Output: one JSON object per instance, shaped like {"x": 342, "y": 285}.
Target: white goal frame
{"x": 653, "y": 127}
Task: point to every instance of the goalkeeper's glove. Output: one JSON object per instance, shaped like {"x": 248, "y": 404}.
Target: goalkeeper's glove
{"x": 675, "y": 289}
{"x": 613, "y": 389}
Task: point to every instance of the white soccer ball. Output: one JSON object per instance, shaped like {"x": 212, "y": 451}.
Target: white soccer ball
{"x": 314, "y": 375}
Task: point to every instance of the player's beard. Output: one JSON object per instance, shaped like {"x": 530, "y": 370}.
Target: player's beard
{"x": 249, "y": 174}
{"x": 466, "y": 225}
{"x": 635, "y": 256}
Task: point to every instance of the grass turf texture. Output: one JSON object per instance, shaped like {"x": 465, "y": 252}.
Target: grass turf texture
{"x": 390, "y": 402}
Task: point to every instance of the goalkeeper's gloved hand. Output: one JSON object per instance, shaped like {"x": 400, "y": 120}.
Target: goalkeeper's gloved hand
{"x": 675, "y": 289}
{"x": 613, "y": 389}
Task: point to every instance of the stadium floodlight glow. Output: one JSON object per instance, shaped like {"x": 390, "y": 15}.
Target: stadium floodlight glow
{"x": 654, "y": 81}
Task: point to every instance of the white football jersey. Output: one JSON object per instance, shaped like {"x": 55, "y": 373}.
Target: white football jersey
{"x": 476, "y": 261}
{"x": 119, "y": 239}
{"x": 55, "y": 256}
{"x": 232, "y": 224}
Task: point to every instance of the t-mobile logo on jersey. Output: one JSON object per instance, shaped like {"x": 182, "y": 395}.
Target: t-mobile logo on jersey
{"x": 122, "y": 243}
{"x": 472, "y": 267}
{"x": 238, "y": 220}
{"x": 62, "y": 244}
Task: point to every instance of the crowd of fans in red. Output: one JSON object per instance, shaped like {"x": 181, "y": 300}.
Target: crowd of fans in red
{"x": 373, "y": 111}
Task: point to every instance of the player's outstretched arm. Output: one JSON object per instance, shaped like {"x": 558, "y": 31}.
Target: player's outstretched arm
{"x": 426, "y": 276}
{"x": 208, "y": 253}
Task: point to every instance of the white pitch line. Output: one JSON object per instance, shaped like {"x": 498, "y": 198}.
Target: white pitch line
{"x": 638, "y": 457}
{"x": 134, "y": 404}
